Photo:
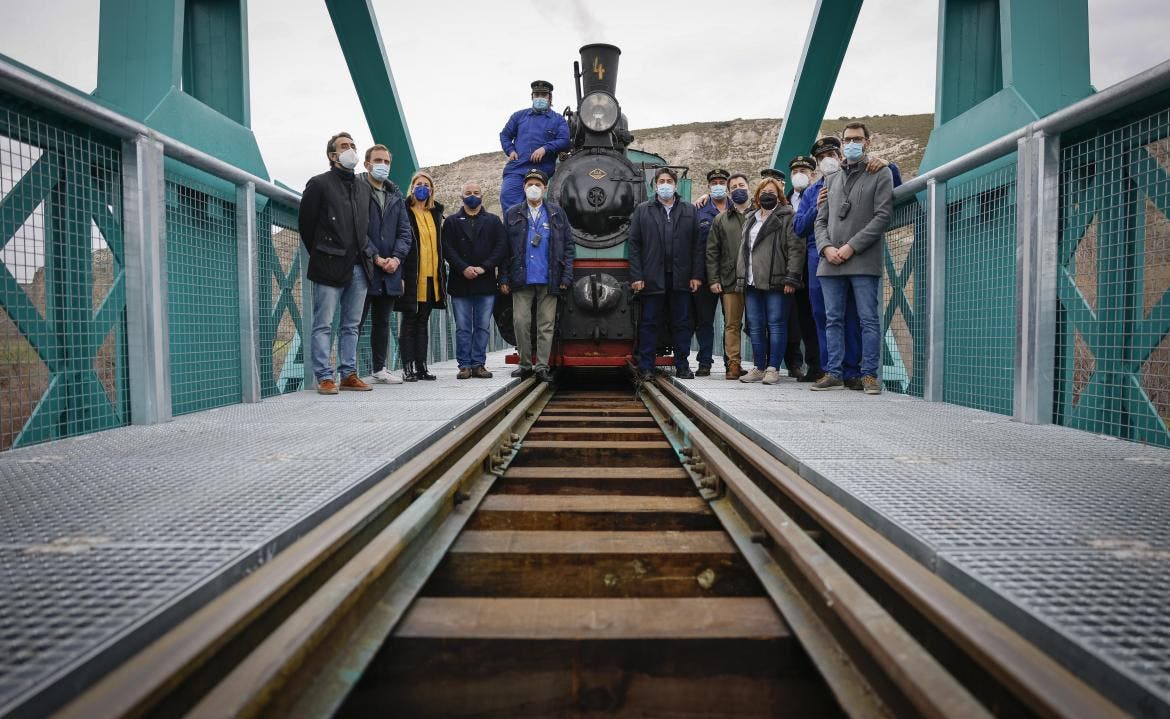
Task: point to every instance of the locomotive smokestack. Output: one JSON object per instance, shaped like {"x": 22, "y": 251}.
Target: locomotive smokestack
{"x": 599, "y": 66}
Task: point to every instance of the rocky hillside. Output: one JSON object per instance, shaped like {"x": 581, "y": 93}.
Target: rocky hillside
{"x": 733, "y": 144}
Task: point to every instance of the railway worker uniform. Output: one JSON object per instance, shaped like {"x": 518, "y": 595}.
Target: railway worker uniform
{"x": 531, "y": 139}
{"x": 541, "y": 247}
{"x": 850, "y": 228}
{"x": 704, "y": 301}
{"x": 667, "y": 258}
{"x": 723, "y": 249}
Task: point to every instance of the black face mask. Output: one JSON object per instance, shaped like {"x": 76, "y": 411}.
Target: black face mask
{"x": 768, "y": 201}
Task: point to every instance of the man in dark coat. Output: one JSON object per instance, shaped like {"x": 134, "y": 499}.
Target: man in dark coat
{"x": 333, "y": 221}
{"x": 475, "y": 246}
{"x": 540, "y": 242}
{"x": 390, "y": 237}
{"x": 666, "y": 266}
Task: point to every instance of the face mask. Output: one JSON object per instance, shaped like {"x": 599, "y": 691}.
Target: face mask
{"x": 800, "y": 180}
{"x": 380, "y": 172}
{"x": 852, "y": 150}
{"x": 421, "y": 193}
{"x": 768, "y": 200}
{"x": 739, "y": 196}
{"x": 718, "y": 191}
{"x": 665, "y": 190}
{"x": 348, "y": 159}
{"x": 540, "y": 104}
{"x": 533, "y": 192}
{"x": 829, "y": 165}
{"x": 472, "y": 201}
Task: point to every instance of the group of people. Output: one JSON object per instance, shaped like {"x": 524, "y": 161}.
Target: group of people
{"x": 803, "y": 269}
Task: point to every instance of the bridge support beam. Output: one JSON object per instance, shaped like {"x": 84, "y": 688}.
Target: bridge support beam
{"x": 1037, "y": 241}
{"x": 247, "y": 258}
{"x": 936, "y": 258}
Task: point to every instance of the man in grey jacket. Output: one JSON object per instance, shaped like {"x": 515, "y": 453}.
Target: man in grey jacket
{"x": 850, "y": 225}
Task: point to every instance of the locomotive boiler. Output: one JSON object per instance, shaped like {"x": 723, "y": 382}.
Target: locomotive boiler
{"x": 598, "y": 182}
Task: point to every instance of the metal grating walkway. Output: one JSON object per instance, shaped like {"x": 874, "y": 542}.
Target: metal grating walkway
{"x": 107, "y": 538}
{"x": 1063, "y": 534}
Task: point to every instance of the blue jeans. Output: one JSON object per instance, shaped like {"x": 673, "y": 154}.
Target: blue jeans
{"x": 352, "y": 298}
{"x": 767, "y": 312}
{"x": 678, "y": 303}
{"x": 864, "y": 290}
{"x": 473, "y": 318}
{"x": 851, "y": 364}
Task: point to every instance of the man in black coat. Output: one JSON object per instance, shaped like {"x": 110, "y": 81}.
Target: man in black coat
{"x": 333, "y": 221}
{"x": 540, "y": 243}
{"x": 666, "y": 266}
{"x": 474, "y": 245}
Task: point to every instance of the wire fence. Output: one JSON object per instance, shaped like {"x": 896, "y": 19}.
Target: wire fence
{"x": 1113, "y": 280}
{"x": 203, "y": 295}
{"x": 980, "y": 291}
{"x": 62, "y": 292}
{"x": 904, "y": 295}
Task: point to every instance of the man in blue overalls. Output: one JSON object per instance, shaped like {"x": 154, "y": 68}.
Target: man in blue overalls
{"x": 531, "y": 140}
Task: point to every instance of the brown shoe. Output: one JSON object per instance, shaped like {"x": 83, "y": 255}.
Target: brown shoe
{"x": 326, "y": 386}
{"x": 481, "y": 372}
{"x": 464, "y": 373}
{"x": 734, "y": 370}
{"x": 354, "y": 384}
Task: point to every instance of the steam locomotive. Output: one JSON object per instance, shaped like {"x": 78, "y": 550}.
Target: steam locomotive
{"x": 598, "y": 182}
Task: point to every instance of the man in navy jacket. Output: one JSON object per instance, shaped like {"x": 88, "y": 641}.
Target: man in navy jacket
{"x": 531, "y": 139}
{"x": 667, "y": 264}
{"x": 540, "y": 241}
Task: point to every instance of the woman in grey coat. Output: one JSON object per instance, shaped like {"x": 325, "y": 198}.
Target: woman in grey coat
{"x": 768, "y": 271}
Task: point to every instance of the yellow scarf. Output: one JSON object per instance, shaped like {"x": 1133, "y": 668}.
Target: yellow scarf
{"x": 428, "y": 255}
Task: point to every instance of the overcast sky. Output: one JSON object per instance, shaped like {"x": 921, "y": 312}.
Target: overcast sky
{"x": 462, "y": 67}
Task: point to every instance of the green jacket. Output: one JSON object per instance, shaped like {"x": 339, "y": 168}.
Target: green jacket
{"x": 723, "y": 245}
{"x": 777, "y": 256}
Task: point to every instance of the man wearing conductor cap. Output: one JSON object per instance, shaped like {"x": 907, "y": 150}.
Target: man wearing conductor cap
{"x": 531, "y": 139}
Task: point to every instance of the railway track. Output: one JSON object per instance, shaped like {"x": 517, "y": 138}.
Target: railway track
{"x": 591, "y": 552}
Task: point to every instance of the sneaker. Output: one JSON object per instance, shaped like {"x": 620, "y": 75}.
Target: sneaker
{"x": 871, "y": 384}
{"x": 522, "y": 372}
{"x": 326, "y": 386}
{"x": 464, "y": 373}
{"x": 353, "y": 383}
{"x": 684, "y": 373}
{"x": 704, "y": 371}
{"x": 755, "y": 374}
{"x": 771, "y": 375}
{"x": 853, "y": 383}
{"x": 827, "y": 382}
{"x": 383, "y": 376}
{"x": 481, "y": 372}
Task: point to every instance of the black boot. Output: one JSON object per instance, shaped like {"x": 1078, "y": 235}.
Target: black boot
{"x": 420, "y": 371}
{"x": 408, "y": 374}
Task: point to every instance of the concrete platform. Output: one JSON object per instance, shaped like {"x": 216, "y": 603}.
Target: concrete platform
{"x": 1062, "y": 533}
{"x": 108, "y": 538}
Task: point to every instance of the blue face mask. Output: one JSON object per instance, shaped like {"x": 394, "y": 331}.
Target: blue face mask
{"x": 718, "y": 192}
{"x": 540, "y": 104}
{"x": 665, "y": 190}
{"x": 472, "y": 201}
{"x": 380, "y": 172}
{"x": 739, "y": 196}
{"x": 852, "y": 150}
{"x": 421, "y": 193}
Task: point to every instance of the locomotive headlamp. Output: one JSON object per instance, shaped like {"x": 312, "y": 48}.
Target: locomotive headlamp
{"x": 599, "y": 112}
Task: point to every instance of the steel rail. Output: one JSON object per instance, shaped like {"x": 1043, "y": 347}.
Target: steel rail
{"x": 153, "y": 681}
{"x": 1031, "y": 676}
{"x": 70, "y": 103}
{"x": 883, "y": 655}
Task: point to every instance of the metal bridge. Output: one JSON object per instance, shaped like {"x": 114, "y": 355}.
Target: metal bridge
{"x": 152, "y": 283}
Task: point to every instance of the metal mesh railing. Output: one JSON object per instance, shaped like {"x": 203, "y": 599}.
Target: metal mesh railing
{"x": 203, "y": 295}
{"x": 980, "y": 291}
{"x": 279, "y": 268}
{"x": 904, "y": 295}
{"x": 1113, "y": 280}
{"x": 62, "y": 288}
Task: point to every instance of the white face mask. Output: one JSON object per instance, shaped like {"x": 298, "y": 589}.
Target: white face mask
{"x": 829, "y": 165}
{"x": 348, "y": 159}
{"x": 533, "y": 192}
{"x": 800, "y": 180}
